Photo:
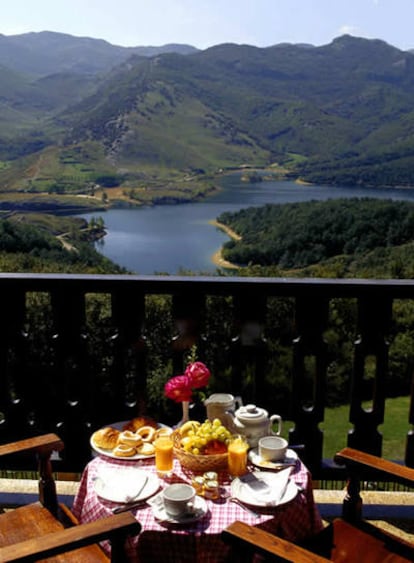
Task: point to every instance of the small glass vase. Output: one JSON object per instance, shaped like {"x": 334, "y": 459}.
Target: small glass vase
{"x": 186, "y": 413}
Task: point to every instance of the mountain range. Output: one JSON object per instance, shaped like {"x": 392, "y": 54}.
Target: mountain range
{"x": 342, "y": 113}
{"x": 48, "y": 52}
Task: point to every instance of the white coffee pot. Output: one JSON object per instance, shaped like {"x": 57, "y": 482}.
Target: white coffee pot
{"x": 254, "y": 423}
{"x": 222, "y": 406}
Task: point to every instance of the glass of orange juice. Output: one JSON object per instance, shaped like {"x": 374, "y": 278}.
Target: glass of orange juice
{"x": 237, "y": 456}
{"x": 164, "y": 457}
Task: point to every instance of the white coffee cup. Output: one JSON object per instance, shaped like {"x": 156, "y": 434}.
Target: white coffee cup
{"x": 272, "y": 448}
{"x": 178, "y": 499}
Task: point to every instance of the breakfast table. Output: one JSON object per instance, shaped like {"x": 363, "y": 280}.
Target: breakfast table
{"x": 196, "y": 539}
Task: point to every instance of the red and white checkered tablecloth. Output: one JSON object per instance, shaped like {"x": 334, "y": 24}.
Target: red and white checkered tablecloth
{"x": 198, "y": 541}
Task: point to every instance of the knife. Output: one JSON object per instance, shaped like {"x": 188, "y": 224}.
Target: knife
{"x": 130, "y": 506}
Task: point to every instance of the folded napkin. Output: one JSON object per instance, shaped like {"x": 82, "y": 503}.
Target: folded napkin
{"x": 122, "y": 486}
{"x": 266, "y": 489}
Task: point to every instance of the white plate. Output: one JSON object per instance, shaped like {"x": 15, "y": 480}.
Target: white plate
{"x": 109, "y": 453}
{"x": 158, "y": 509}
{"x": 265, "y": 488}
{"x": 125, "y": 484}
{"x": 290, "y": 459}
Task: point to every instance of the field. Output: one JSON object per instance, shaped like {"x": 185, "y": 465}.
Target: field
{"x": 394, "y": 429}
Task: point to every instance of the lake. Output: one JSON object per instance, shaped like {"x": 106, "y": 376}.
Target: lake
{"x": 172, "y": 239}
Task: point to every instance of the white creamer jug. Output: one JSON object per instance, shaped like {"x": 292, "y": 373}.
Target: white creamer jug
{"x": 222, "y": 406}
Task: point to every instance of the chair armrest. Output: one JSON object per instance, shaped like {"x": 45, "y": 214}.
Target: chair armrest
{"x": 355, "y": 459}
{"x": 44, "y": 444}
{"x": 114, "y": 527}
{"x": 243, "y": 536}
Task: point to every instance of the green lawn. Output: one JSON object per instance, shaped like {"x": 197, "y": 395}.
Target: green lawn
{"x": 394, "y": 429}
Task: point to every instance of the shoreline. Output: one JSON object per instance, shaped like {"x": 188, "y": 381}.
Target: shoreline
{"x": 303, "y": 182}
{"x": 217, "y": 257}
{"x": 226, "y": 229}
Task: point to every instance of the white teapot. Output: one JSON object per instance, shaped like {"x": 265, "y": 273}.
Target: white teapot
{"x": 222, "y": 406}
{"x": 254, "y": 423}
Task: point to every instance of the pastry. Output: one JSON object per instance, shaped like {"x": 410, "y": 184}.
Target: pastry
{"x": 129, "y": 438}
{"x": 147, "y": 433}
{"x": 163, "y": 431}
{"x": 146, "y": 449}
{"x": 122, "y": 450}
{"x": 138, "y": 422}
{"x": 105, "y": 438}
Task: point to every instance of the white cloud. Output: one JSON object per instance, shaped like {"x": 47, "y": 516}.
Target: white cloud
{"x": 349, "y": 30}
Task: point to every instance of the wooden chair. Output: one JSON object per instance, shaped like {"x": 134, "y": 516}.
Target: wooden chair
{"x": 347, "y": 539}
{"x": 47, "y": 528}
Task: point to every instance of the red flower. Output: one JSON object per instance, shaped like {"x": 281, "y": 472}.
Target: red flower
{"x": 198, "y": 374}
{"x": 178, "y": 388}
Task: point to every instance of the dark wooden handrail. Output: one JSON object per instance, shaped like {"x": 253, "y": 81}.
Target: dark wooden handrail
{"x": 65, "y": 367}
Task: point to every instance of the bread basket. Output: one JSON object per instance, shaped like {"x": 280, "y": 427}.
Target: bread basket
{"x": 198, "y": 463}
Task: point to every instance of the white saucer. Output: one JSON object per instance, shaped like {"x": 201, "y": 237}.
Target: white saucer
{"x": 125, "y": 484}
{"x": 158, "y": 509}
{"x": 265, "y": 488}
{"x": 290, "y": 459}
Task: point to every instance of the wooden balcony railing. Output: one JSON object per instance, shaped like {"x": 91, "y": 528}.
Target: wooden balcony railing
{"x": 80, "y": 351}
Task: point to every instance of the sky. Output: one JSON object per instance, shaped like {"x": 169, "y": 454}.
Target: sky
{"x": 204, "y": 23}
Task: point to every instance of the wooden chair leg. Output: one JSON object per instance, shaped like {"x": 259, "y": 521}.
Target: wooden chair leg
{"x": 352, "y": 503}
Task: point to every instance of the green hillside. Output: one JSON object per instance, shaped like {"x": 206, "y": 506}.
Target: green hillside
{"x": 345, "y": 107}
{"x": 44, "y": 243}
{"x": 163, "y": 125}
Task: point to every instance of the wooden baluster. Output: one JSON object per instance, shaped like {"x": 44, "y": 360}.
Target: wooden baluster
{"x": 188, "y": 313}
{"x": 129, "y": 373}
{"x": 308, "y": 393}
{"x": 18, "y": 386}
{"x": 72, "y": 374}
{"x": 374, "y": 321}
{"x": 249, "y": 349}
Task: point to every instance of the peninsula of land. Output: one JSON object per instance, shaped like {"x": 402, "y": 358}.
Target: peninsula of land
{"x": 217, "y": 257}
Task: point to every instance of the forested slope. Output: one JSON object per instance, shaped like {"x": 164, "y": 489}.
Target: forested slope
{"x": 352, "y": 237}
{"x": 26, "y": 247}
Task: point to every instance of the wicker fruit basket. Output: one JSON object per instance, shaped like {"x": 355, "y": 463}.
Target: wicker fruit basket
{"x": 198, "y": 463}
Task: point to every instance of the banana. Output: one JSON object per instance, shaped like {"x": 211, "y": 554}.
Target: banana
{"x": 187, "y": 426}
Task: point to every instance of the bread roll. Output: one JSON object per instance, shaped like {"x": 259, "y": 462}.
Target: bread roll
{"x": 138, "y": 422}
{"x": 147, "y": 433}
{"x": 163, "y": 431}
{"x": 146, "y": 449}
{"x": 105, "y": 438}
{"x": 122, "y": 450}
{"x": 129, "y": 438}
